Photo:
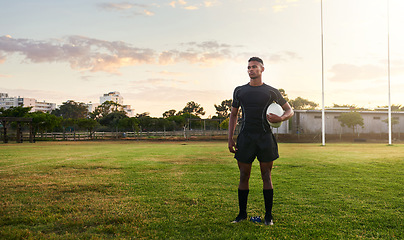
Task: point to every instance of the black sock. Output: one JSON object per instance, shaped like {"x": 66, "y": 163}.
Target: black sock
{"x": 242, "y": 202}
{"x": 269, "y": 199}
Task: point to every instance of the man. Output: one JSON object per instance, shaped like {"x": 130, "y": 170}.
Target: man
{"x": 255, "y": 139}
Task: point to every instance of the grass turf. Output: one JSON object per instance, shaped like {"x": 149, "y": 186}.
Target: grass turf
{"x": 188, "y": 190}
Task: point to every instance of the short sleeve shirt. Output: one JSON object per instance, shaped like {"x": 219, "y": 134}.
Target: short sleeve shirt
{"x": 254, "y": 101}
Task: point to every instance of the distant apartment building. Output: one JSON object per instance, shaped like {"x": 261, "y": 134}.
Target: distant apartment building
{"x": 92, "y": 106}
{"x": 7, "y": 102}
{"x": 112, "y": 96}
{"x": 117, "y": 98}
{"x": 44, "y": 106}
{"x": 130, "y": 112}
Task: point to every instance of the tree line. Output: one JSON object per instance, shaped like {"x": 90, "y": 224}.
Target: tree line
{"x": 74, "y": 116}
{"x": 110, "y": 116}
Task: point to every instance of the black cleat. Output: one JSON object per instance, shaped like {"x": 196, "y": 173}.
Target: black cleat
{"x": 269, "y": 221}
{"x": 240, "y": 218}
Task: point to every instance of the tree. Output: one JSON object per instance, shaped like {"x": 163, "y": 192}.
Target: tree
{"x": 192, "y": 108}
{"x": 14, "y": 111}
{"x": 223, "y": 110}
{"x": 68, "y": 122}
{"x": 145, "y": 122}
{"x": 112, "y": 119}
{"x": 352, "y": 106}
{"x": 71, "y": 109}
{"x": 129, "y": 123}
{"x": 162, "y": 124}
{"x": 351, "y": 120}
{"x": 394, "y": 107}
{"x": 88, "y": 124}
{"x": 394, "y": 121}
{"x": 179, "y": 121}
{"x": 169, "y": 113}
{"x": 17, "y": 112}
{"x": 145, "y": 114}
{"x": 298, "y": 103}
{"x": 347, "y": 106}
{"x": 106, "y": 108}
{"x": 42, "y": 122}
{"x": 301, "y": 103}
{"x": 225, "y": 124}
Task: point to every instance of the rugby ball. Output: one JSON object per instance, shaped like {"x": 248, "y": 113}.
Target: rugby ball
{"x": 276, "y": 109}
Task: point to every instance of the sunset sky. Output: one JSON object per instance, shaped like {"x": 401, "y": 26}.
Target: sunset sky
{"x": 162, "y": 54}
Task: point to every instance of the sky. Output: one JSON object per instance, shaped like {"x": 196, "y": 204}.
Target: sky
{"x": 162, "y": 54}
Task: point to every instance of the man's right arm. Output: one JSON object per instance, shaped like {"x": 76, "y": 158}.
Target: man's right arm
{"x": 232, "y": 128}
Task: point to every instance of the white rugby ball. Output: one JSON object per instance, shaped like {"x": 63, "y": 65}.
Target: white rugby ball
{"x": 276, "y": 109}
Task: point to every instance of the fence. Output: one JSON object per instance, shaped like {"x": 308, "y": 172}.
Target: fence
{"x": 78, "y": 136}
{"x": 202, "y": 135}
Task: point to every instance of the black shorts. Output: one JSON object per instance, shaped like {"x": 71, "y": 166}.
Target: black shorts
{"x": 262, "y": 146}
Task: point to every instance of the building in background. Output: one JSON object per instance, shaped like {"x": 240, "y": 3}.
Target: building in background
{"x": 92, "y": 106}
{"x": 117, "y": 98}
{"x": 130, "y": 112}
{"x": 113, "y": 97}
{"x": 44, "y": 107}
{"x": 7, "y": 102}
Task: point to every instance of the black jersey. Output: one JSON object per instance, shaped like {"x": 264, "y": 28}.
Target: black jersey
{"x": 254, "y": 102}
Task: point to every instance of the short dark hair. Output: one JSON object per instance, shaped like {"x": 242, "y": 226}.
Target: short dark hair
{"x": 257, "y": 59}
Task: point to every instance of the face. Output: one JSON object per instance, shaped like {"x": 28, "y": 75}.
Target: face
{"x": 255, "y": 69}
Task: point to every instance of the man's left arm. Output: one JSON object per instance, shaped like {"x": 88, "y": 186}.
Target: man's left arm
{"x": 286, "y": 115}
{"x": 288, "y": 112}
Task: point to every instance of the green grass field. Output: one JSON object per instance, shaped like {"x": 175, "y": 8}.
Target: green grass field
{"x": 188, "y": 190}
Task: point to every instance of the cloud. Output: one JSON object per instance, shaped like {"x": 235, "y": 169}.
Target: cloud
{"x": 191, "y": 7}
{"x": 134, "y": 9}
{"x": 2, "y": 59}
{"x": 271, "y": 58}
{"x": 207, "y": 45}
{"x": 350, "y": 72}
{"x": 126, "y": 7}
{"x": 117, "y": 6}
{"x": 82, "y": 53}
{"x": 279, "y": 8}
{"x": 148, "y": 13}
{"x": 167, "y": 57}
{"x": 166, "y": 73}
{"x": 210, "y": 3}
{"x": 94, "y": 55}
{"x": 281, "y": 5}
{"x": 184, "y": 4}
{"x": 192, "y": 52}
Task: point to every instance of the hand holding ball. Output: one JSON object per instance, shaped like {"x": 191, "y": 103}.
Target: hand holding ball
{"x": 276, "y": 109}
